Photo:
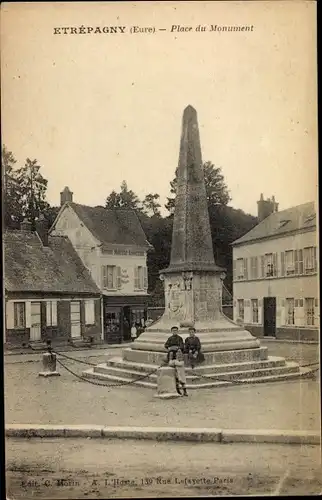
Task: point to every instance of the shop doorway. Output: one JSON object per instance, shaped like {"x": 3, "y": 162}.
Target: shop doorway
{"x": 112, "y": 325}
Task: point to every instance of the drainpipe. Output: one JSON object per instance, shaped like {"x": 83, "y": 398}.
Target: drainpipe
{"x": 102, "y": 317}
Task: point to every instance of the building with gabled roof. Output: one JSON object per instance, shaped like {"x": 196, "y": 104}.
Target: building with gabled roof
{"x": 113, "y": 247}
{"x": 275, "y": 275}
{"x": 49, "y": 293}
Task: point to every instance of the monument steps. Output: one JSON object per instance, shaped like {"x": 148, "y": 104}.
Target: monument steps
{"x": 290, "y": 374}
{"x": 118, "y": 372}
{"x": 271, "y": 362}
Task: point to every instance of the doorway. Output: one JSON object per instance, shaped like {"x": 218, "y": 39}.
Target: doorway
{"x": 112, "y": 325}
{"x": 126, "y": 324}
{"x": 35, "y": 325}
{"x": 269, "y": 316}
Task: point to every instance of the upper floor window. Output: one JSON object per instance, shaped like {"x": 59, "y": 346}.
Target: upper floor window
{"x": 270, "y": 264}
{"x": 310, "y": 260}
{"x": 140, "y": 278}
{"x": 253, "y": 267}
{"x": 241, "y": 269}
{"x": 19, "y": 309}
{"x": 111, "y": 277}
{"x": 289, "y": 262}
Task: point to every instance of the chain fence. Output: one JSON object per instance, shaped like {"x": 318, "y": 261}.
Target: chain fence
{"x": 209, "y": 378}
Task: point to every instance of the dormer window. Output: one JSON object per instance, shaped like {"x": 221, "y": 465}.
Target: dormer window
{"x": 283, "y": 223}
{"x": 310, "y": 218}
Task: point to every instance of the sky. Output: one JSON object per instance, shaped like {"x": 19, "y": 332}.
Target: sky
{"x": 97, "y": 109}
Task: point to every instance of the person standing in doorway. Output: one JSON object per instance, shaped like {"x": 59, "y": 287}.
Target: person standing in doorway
{"x": 133, "y": 332}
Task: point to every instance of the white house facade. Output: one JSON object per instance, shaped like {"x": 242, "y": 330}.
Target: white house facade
{"x": 113, "y": 247}
{"x": 275, "y": 275}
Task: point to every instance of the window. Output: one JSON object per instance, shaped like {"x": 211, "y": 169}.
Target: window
{"x": 309, "y": 260}
{"x": 111, "y": 277}
{"x": 254, "y": 310}
{"x": 240, "y": 303}
{"x": 270, "y": 264}
{"x": 253, "y": 268}
{"x": 289, "y": 262}
{"x": 51, "y": 313}
{"x": 298, "y": 261}
{"x": 89, "y": 312}
{"x": 290, "y": 311}
{"x": 19, "y": 314}
{"x": 140, "y": 278}
{"x": 242, "y": 269}
{"x": 309, "y": 311}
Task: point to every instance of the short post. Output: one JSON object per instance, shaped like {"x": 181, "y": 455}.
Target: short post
{"x": 166, "y": 383}
{"x": 49, "y": 365}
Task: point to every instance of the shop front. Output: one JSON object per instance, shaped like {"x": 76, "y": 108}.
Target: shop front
{"x": 120, "y": 313}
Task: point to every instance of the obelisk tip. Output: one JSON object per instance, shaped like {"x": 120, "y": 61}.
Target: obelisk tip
{"x": 190, "y": 111}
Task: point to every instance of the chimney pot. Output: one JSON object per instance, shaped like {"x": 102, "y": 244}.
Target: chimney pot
{"x": 66, "y": 196}
{"x": 266, "y": 207}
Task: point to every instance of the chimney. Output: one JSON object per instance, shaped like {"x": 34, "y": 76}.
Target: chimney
{"x": 42, "y": 229}
{"x": 26, "y": 225}
{"x": 266, "y": 207}
{"x": 66, "y": 196}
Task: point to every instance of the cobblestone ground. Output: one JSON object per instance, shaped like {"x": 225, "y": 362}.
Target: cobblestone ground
{"x": 77, "y": 468}
{"x": 67, "y": 400}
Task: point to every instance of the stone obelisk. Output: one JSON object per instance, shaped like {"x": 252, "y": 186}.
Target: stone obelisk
{"x": 193, "y": 282}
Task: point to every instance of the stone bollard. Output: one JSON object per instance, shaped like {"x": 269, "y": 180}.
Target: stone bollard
{"x": 166, "y": 383}
{"x": 49, "y": 365}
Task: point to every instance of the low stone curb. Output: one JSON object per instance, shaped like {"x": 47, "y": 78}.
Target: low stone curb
{"x": 165, "y": 434}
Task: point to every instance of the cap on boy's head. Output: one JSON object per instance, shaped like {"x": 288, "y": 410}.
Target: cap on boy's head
{"x": 174, "y": 329}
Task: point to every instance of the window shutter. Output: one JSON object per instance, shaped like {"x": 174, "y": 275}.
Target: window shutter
{"x": 300, "y": 255}
{"x": 246, "y": 269}
{"x": 262, "y": 266}
{"x": 104, "y": 276}
{"x": 9, "y": 315}
{"x": 54, "y": 312}
{"x": 234, "y": 270}
{"x": 255, "y": 267}
{"x": 136, "y": 278}
{"x": 89, "y": 312}
{"x": 48, "y": 313}
{"x": 314, "y": 257}
{"x": 282, "y": 263}
{"x": 119, "y": 281}
{"x": 296, "y": 258}
{"x": 145, "y": 278}
{"x": 274, "y": 264}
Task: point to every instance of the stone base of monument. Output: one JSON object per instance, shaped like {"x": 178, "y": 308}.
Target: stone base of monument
{"x": 232, "y": 356}
{"x": 166, "y": 383}
{"x": 247, "y": 366}
{"x": 49, "y": 366}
